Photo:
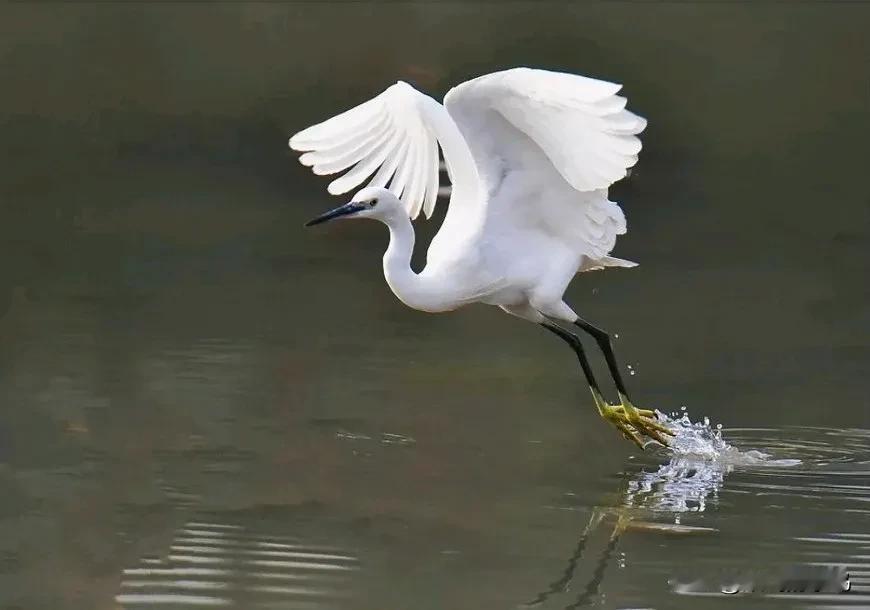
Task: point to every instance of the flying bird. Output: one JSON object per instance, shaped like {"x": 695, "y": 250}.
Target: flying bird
{"x": 530, "y": 155}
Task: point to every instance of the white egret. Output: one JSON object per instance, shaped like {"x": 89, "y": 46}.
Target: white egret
{"x": 530, "y": 155}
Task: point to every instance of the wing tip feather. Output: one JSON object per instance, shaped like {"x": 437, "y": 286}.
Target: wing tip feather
{"x": 337, "y": 187}
{"x": 296, "y": 142}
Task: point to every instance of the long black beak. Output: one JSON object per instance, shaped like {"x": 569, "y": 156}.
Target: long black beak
{"x": 347, "y": 208}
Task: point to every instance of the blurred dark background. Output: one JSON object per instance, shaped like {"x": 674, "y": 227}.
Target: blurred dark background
{"x": 145, "y": 145}
{"x": 157, "y": 286}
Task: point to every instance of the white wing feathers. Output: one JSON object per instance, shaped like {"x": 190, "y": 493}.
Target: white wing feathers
{"x": 578, "y": 122}
{"x": 393, "y": 135}
{"x": 524, "y": 149}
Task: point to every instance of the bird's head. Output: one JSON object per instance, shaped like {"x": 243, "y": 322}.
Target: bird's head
{"x": 371, "y": 202}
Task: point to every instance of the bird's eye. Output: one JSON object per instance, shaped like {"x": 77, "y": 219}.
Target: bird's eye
{"x": 373, "y": 203}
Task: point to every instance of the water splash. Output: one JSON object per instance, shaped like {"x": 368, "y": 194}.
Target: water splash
{"x": 684, "y": 484}
{"x": 699, "y": 460}
{"x": 702, "y": 440}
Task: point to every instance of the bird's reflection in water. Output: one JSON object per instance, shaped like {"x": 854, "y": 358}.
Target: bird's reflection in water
{"x": 683, "y": 484}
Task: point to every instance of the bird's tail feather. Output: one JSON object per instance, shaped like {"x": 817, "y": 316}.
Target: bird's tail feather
{"x": 604, "y": 262}
{"x": 612, "y": 261}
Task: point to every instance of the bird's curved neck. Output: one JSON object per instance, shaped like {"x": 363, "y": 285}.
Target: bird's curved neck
{"x": 413, "y": 289}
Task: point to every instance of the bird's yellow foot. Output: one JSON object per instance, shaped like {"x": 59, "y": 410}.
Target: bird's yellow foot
{"x": 632, "y": 422}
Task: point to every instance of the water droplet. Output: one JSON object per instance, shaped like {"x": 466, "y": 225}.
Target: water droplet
{"x": 631, "y": 372}
{"x": 616, "y": 335}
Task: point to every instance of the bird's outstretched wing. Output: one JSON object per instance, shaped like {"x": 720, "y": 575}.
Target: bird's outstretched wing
{"x": 394, "y": 136}
{"x": 579, "y": 123}
{"x": 547, "y": 145}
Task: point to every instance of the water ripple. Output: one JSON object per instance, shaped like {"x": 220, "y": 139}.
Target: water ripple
{"x": 224, "y": 564}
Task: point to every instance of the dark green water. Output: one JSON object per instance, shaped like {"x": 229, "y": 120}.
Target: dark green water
{"x": 201, "y": 403}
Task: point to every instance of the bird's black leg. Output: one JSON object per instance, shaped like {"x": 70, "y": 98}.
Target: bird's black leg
{"x": 575, "y": 343}
{"x": 642, "y": 420}
{"x": 603, "y": 339}
{"x": 627, "y": 418}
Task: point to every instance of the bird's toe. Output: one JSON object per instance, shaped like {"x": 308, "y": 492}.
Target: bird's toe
{"x": 648, "y": 426}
